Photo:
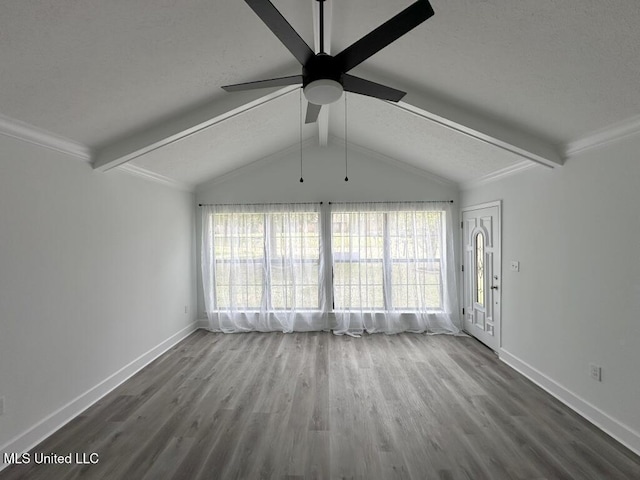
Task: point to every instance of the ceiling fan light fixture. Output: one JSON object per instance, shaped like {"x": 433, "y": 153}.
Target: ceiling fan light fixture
{"x": 323, "y": 91}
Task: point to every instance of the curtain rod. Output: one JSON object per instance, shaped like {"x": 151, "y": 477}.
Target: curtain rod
{"x": 249, "y": 204}
{"x": 418, "y": 201}
{"x": 313, "y": 203}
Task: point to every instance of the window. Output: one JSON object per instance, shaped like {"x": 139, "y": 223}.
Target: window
{"x": 392, "y": 264}
{"x": 387, "y": 260}
{"x": 294, "y": 260}
{"x": 416, "y": 246}
{"x": 238, "y": 242}
{"x": 266, "y": 260}
{"x": 357, "y": 244}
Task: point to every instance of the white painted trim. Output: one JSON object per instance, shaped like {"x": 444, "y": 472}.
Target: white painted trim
{"x": 50, "y": 424}
{"x": 328, "y": 22}
{"x": 477, "y": 135}
{"x": 203, "y": 323}
{"x": 155, "y": 177}
{"x": 392, "y": 161}
{"x": 323, "y": 125}
{"x": 623, "y": 434}
{"x": 603, "y": 137}
{"x": 28, "y": 133}
{"x": 497, "y": 175}
{"x": 495, "y": 203}
{"x": 253, "y": 165}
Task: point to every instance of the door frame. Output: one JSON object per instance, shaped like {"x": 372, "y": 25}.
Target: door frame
{"x": 498, "y": 310}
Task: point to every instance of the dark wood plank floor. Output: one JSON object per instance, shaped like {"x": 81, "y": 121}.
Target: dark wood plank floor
{"x": 314, "y": 405}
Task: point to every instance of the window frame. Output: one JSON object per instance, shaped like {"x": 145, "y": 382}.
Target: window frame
{"x": 388, "y": 261}
{"x": 325, "y": 238}
{"x": 268, "y": 260}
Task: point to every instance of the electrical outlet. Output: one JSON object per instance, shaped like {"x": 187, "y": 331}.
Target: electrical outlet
{"x": 186, "y": 309}
{"x": 1, "y": 405}
{"x": 595, "y": 372}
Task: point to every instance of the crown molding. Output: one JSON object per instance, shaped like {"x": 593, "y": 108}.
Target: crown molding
{"x": 13, "y": 128}
{"x": 334, "y": 140}
{"x": 155, "y": 177}
{"x": 605, "y": 136}
{"x": 497, "y": 175}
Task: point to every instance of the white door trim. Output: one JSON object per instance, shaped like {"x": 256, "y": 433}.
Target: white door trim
{"x": 495, "y": 203}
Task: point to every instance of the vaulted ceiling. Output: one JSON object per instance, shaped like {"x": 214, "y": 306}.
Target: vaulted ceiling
{"x": 490, "y": 84}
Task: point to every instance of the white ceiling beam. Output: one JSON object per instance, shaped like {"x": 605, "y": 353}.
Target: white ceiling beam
{"x": 323, "y": 126}
{"x": 323, "y": 118}
{"x": 473, "y": 124}
{"x": 328, "y": 16}
{"x": 182, "y": 126}
{"x": 519, "y": 143}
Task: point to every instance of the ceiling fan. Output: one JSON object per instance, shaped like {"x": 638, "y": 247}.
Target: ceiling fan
{"x": 324, "y": 77}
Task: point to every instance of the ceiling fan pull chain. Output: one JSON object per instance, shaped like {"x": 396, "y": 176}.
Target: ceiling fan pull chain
{"x": 346, "y": 164}
{"x": 301, "y": 179}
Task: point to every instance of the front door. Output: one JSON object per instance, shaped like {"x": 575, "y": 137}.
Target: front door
{"x": 481, "y": 272}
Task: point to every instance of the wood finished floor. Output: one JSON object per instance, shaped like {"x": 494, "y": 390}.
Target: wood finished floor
{"x": 313, "y": 405}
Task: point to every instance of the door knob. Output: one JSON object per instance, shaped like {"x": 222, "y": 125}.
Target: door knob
{"x": 494, "y": 287}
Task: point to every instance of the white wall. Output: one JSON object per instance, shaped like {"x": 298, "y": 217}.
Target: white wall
{"x": 576, "y": 300}
{"x": 371, "y": 178}
{"x": 95, "y": 271}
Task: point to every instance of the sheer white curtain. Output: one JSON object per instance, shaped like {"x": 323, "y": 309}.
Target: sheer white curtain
{"x": 393, "y": 268}
{"x": 263, "y": 268}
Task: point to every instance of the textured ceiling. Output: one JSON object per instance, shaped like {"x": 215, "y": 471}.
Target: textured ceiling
{"x": 387, "y": 129}
{"x": 228, "y": 145}
{"x": 559, "y": 68}
{"x": 95, "y": 71}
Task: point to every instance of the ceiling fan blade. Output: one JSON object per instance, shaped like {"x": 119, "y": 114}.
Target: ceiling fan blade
{"x": 388, "y": 32}
{"x": 272, "y": 82}
{"x": 313, "y": 111}
{"x": 372, "y": 89}
{"x": 282, "y": 29}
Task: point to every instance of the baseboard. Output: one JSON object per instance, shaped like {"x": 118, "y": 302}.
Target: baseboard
{"x": 623, "y": 434}
{"x": 50, "y": 424}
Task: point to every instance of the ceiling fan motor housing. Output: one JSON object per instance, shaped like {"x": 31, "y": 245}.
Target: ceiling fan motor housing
{"x": 321, "y": 66}
{"x": 322, "y": 79}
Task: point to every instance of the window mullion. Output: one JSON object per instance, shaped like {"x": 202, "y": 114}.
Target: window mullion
{"x": 231, "y": 225}
{"x": 266, "y": 280}
{"x": 326, "y": 231}
{"x": 386, "y": 263}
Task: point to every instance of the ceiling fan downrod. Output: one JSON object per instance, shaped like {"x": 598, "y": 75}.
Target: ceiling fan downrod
{"x": 321, "y": 32}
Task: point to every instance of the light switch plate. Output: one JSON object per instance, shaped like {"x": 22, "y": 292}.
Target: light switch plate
{"x": 515, "y": 266}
